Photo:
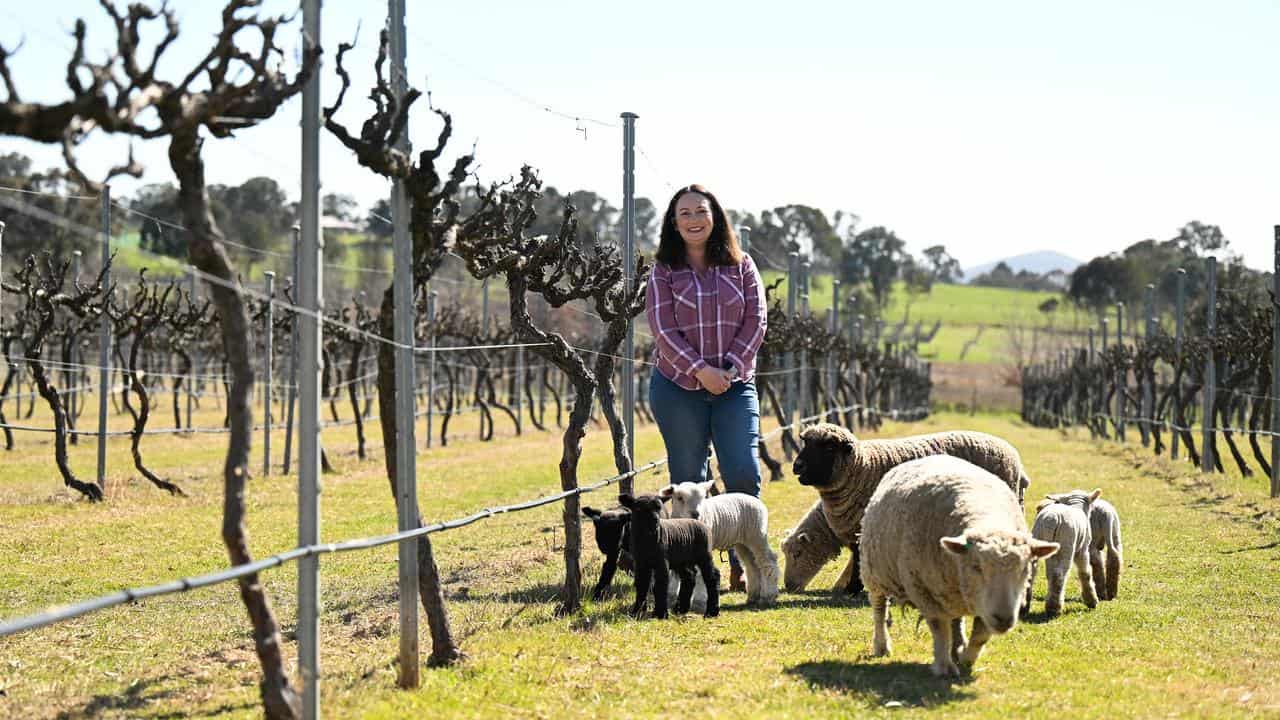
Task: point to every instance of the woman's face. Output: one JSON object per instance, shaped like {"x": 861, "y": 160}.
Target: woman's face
{"x": 693, "y": 219}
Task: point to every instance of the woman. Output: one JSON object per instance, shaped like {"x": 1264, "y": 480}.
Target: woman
{"x": 706, "y": 308}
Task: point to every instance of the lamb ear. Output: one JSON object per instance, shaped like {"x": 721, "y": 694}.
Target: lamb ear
{"x": 1095, "y": 494}
{"x": 1042, "y": 549}
{"x": 707, "y": 486}
{"x": 590, "y": 512}
{"x": 626, "y": 500}
{"x": 801, "y": 537}
{"x": 666, "y": 492}
{"x": 957, "y": 545}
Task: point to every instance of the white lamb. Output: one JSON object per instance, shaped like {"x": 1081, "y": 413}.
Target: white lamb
{"x": 1104, "y": 529}
{"x": 1064, "y": 519}
{"x": 739, "y": 522}
{"x": 948, "y": 538}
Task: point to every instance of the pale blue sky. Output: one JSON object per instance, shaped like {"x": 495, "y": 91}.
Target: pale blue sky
{"x": 991, "y": 127}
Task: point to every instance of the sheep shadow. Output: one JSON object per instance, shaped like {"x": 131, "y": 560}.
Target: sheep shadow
{"x": 911, "y": 684}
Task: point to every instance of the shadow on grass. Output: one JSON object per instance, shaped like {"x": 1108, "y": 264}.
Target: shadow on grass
{"x": 908, "y": 683}
{"x": 135, "y": 697}
{"x": 1252, "y": 548}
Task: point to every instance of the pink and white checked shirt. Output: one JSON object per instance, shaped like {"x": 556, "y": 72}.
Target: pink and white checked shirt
{"x": 714, "y": 318}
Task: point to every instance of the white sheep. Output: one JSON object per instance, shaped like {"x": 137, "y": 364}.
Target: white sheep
{"x": 1104, "y": 530}
{"x": 809, "y": 546}
{"x": 739, "y": 522}
{"x": 845, "y": 470}
{"x": 948, "y": 538}
{"x": 1064, "y": 518}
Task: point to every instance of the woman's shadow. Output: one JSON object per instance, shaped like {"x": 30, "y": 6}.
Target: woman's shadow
{"x": 911, "y": 684}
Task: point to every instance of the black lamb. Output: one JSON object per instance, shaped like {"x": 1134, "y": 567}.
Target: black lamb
{"x": 611, "y": 538}
{"x": 660, "y": 546}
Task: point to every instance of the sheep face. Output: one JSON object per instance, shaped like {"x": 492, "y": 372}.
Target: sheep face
{"x": 686, "y": 497}
{"x": 646, "y": 511}
{"x": 803, "y": 560}
{"x": 825, "y": 447}
{"x": 993, "y": 570}
{"x": 611, "y": 526}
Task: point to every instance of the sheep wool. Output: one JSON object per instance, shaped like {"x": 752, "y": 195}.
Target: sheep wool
{"x": 737, "y": 521}
{"x": 809, "y": 546}
{"x": 856, "y": 466}
{"x": 948, "y": 538}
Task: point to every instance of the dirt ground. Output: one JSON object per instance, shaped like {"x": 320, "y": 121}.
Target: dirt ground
{"x": 962, "y": 385}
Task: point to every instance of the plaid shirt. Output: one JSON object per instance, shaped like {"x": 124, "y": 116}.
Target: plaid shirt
{"x": 716, "y": 318}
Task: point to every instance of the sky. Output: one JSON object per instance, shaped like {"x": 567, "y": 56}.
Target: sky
{"x": 991, "y": 127}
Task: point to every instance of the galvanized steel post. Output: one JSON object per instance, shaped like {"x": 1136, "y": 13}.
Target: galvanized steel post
{"x": 629, "y": 268}
{"x": 310, "y": 342}
{"x": 1275, "y": 367}
{"x": 1207, "y": 460}
{"x": 104, "y": 341}
{"x": 191, "y": 372}
{"x": 1178, "y": 319}
{"x": 431, "y": 362}
{"x": 293, "y": 350}
{"x": 1122, "y": 378}
{"x": 406, "y": 449}
{"x": 267, "y": 369}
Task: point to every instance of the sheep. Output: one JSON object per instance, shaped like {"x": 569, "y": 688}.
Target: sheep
{"x": 810, "y": 545}
{"x": 738, "y": 522}
{"x": 613, "y": 538}
{"x": 658, "y": 545}
{"x": 1104, "y": 530}
{"x": 846, "y": 470}
{"x": 948, "y": 538}
{"x": 1064, "y": 519}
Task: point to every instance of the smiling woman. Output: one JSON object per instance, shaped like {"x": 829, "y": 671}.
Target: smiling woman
{"x": 706, "y": 310}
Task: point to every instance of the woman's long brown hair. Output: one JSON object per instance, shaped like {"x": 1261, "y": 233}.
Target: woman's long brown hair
{"x": 722, "y": 246}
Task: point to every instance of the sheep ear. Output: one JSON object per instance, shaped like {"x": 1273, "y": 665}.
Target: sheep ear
{"x": 590, "y": 512}
{"x": 955, "y": 545}
{"x": 1095, "y": 494}
{"x": 666, "y": 492}
{"x": 1042, "y": 549}
{"x": 847, "y": 446}
{"x": 626, "y": 500}
{"x": 802, "y": 537}
{"x": 663, "y": 498}
{"x": 1043, "y": 504}
{"x": 708, "y": 486}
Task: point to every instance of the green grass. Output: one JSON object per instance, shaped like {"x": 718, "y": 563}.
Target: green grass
{"x": 1192, "y": 634}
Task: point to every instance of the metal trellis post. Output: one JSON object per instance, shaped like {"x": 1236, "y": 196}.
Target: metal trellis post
{"x": 310, "y": 342}
{"x": 1275, "y": 367}
{"x": 406, "y": 460}
{"x": 293, "y": 350}
{"x": 629, "y": 268}
{"x": 1179, "y": 312}
{"x": 104, "y": 342}
{"x": 267, "y": 367}
{"x": 1210, "y": 367}
{"x": 431, "y": 362}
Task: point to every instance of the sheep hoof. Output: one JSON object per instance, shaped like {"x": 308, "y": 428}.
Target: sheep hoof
{"x": 881, "y": 650}
{"x": 946, "y": 670}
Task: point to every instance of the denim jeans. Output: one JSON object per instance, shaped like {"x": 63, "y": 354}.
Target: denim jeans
{"x": 693, "y": 420}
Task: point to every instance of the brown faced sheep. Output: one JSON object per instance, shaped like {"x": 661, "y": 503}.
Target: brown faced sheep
{"x": 808, "y": 547}
{"x": 846, "y": 470}
{"x": 948, "y": 538}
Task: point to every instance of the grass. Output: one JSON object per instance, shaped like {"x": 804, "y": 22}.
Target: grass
{"x": 1192, "y": 633}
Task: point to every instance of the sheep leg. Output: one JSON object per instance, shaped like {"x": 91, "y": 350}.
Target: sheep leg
{"x": 643, "y": 578}
{"x": 1031, "y": 581}
{"x": 957, "y": 638}
{"x": 606, "y": 576}
{"x": 1056, "y": 574}
{"x": 981, "y": 634}
{"x": 711, "y": 576}
{"x": 850, "y": 569}
{"x": 768, "y": 572}
{"x": 1099, "y": 573}
{"x": 881, "y": 646}
{"x": 943, "y": 665}
{"x": 854, "y": 587}
{"x": 1086, "y": 578}
{"x": 751, "y": 568}
{"x": 661, "y": 578}
{"x": 1115, "y": 559}
{"x": 687, "y": 576}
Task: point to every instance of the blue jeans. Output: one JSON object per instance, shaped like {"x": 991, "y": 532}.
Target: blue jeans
{"x": 692, "y": 420}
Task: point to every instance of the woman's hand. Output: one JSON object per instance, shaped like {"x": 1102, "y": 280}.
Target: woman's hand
{"x": 715, "y": 380}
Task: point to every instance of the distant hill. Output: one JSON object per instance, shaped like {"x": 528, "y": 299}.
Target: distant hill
{"x": 1037, "y": 262}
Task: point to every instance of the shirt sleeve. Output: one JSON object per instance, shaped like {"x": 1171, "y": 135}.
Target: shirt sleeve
{"x": 660, "y": 310}
{"x": 747, "y": 340}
